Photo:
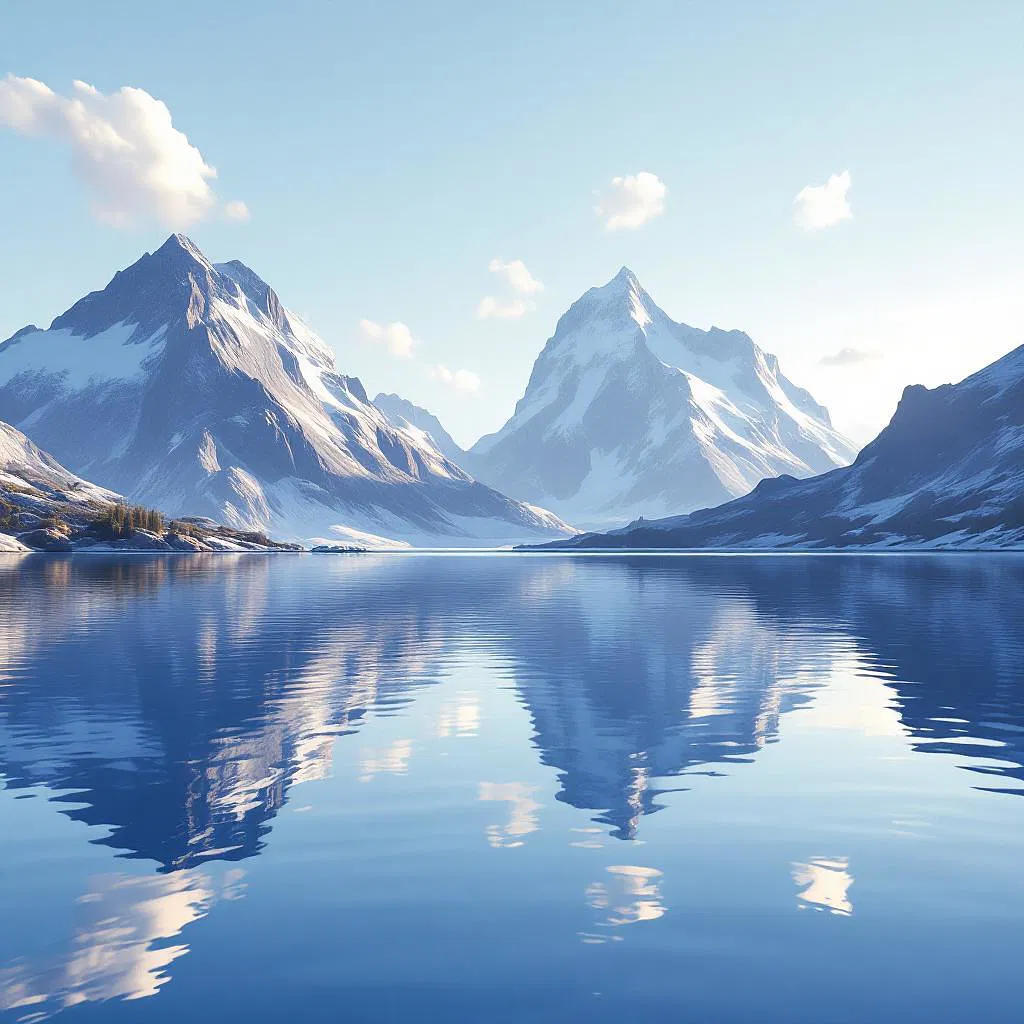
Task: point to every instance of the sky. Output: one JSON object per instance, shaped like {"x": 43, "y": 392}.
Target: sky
{"x": 432, "y": 185}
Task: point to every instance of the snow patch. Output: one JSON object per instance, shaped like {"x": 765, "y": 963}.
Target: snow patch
{"x": 79, "y": 361}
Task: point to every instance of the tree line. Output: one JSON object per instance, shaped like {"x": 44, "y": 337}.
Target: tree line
{"x": 122, "y": 520}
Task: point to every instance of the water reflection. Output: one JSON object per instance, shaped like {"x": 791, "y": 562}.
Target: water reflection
{"x": 181, "y": 699}
{"x": 121, "y": 944}
{"x": 824, "y": 884}
{"x": 173, "y": 704}
{"x": 628, "y": 894}
{"x": 522, "y": 814}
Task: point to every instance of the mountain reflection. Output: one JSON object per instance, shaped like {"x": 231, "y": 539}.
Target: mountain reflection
{"x": 183, "y": 728}
{"x": 176, "y": 701}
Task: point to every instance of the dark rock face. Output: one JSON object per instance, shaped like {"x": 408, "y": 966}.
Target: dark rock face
{"x": 177, "y": 542}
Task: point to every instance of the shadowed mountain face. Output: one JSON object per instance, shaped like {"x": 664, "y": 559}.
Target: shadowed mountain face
{"x": 948, "y": 471}
{"x": 233, "y": 677}
{"x": 203, "y": 395}
{"x": 629, "y": 413}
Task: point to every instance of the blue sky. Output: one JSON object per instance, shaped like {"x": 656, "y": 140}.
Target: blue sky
{"x": 389, "y": 152}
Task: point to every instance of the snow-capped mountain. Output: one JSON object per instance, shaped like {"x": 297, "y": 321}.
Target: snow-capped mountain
{"x": 629, "y": 413}
{"x": 189, "y": 387}
{"x": 947, "y": 472}
{"x": 423, "y": 425}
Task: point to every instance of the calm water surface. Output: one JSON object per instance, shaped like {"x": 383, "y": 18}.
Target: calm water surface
{"x": 511, "y": 788}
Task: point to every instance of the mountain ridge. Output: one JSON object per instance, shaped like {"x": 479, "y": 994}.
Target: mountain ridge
{"x": 946, "y": 472}
{"x": 410, "y": 416}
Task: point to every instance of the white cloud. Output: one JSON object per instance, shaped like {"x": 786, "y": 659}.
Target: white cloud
{"x": 396, "y": 337}
{"x": 124, "y": 146}
{"x": 848, "y": 355}
{"x": 820, "y": 206}
{"x": 490, "y": 306}
{"x": 631, "y": 201}
{"x": 237, "y": 210}
{"x": 517, "y": 275}
{"x": 461, "y": 380}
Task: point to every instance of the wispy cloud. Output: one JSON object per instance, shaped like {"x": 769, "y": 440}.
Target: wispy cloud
{"x": 395, "y": 337}
{"x": 520, "y": 280}
{"x": 492, "y": 307}
{"x": 461, "y": 380}
{"x": 237, "y": 210}
{"x": 631, "y": 201}
{"x": 123, "y": 145}
{"x": 515, "y": 272}
{"x": 849, "y": 356}
{"x": 820, "y": 206}
{"x": 398, "y": 339}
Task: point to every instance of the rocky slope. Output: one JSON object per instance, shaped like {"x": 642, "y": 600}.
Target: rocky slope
{"x": 44, "y": 507}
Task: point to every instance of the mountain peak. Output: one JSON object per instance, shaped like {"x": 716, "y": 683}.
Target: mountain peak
{"x": 406, "y": 415}
{"x": 150, "y": 292}
{"x": 181, "y": 248}
{"x": 247, "y": 279}
{"x": 190, "y": 387}
{"x": 624, "y": 288}
{"x": 624, "y": 282}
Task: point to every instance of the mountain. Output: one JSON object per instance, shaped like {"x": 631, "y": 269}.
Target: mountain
{"x": 423, "y": 426}
{"x": 948, "y": 471}
{"x": 45, "y": 507}
{"x": 629, "y": 413}
{"x": 189, "y": 387}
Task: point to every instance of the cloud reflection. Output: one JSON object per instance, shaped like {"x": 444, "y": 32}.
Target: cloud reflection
{"x": 522, "y": 819}
{"x": 631, "y": 894}
{"x": 120, "y": 947}
{"x": 825, "y": 883}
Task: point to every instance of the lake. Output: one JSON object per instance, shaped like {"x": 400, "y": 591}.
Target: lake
{"x": 511, "y": 787}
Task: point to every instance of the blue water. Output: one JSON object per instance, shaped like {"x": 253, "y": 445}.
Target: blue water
{"x": 511, "y": 788}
